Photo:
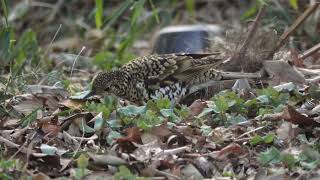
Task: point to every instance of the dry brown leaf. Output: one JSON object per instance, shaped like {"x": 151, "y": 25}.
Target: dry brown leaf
{"x": 106, "y": 159}
{"x": 282, "y": 71}
{"x": 73, "y": 104}
{"x": 232, "y": 148}
{"x": 26, "y": 103}
{"x": 296, "y": 60}
{"x": 161, "y": 131}
{"x": 197, "y": 107}
{"x": 129, "y": 143}
{"x": 291, "y": 115}
{"x": 133, "y": 135}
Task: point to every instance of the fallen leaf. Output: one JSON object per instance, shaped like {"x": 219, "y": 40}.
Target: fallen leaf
{"x": 145, "y": 152}
{"x": 291, "y": 115}
{"x": 191, "y": 172}
{"x": 106, "y": 159}
{"x": 282, "y": 71}
{"x": 232, "y": 148}
{"x": 73, "y": 104}
{"x": 49, "y": 126}
{"x": 197, "y": 107}
{"x": 132, "y": 135}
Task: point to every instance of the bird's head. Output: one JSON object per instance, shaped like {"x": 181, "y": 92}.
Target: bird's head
{"x": 108, "y": 83}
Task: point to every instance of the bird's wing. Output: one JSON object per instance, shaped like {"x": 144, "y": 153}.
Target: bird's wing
{"x": 193, "y": 65}
{"x": 164, "y": 67}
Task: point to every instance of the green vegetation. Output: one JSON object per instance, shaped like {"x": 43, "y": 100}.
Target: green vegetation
{"x": 53, "y": 133}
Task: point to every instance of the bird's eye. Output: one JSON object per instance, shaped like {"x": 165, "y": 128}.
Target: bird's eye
{"x": 107, "y": 89}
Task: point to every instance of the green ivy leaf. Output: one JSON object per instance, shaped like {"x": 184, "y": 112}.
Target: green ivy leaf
{"x": 205, "y": 112}
{"x": 288, "y": 160}
{"x": 269, "y": 138}
{"x": 169, "y": 113}
{"x": 112, "y": 136}
{"x": 206, "y": 130}
{"x": 98, "y": 122}
{"x": 221, "y": 105}
{"x": 148, "y": 120}
{"x": 309, "y": 165}
{"x": 231, "y": 120}
{"x": 29, "y": 118}
{"x": 271, "y": 156}
{"x": 263, "y": 99}
{"x": 256, "y": 140}
{"x": 82, "y": 161}
{"x": 163, "y": 103}
{"x": 84, "y": 127}
{"x": 183, "y": 112}
{"x": 131, "y": 110}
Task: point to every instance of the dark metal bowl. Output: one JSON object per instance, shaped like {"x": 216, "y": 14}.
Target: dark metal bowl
{"x": 185, "y": 38}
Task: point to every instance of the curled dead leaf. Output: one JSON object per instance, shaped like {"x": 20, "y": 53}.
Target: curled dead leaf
{"x": 232, "y": 148}
{"x": 133, "y": 135}
{"x": 291, "y": 115}
{"x": 72, "y": 104}
{"x": 197, "y": 107}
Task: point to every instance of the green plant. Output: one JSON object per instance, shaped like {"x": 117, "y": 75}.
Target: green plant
{"x": 5, "y": 11}
{"x": 124, "y": 173}
{"x": 99, "y": 13}
{"x": 267, "y": 139}
{"x": 82, "y": 163}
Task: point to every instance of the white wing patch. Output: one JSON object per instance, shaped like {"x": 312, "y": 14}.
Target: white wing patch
{"x": 173, "y": 91}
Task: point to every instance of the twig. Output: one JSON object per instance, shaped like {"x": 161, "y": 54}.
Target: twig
{"x": 47, "y": 50}
{"x": 252, "y": 32}
{"x": 283, "y": 38}
{"x": 249, "y": 132}
{"x": 54, "y": 37}
{"x": 55, "y": 10}
{"x": 77, "y": 57}
{"x": 41, "y": 4}
{"x": 310, "y": 51}
{"x": 168, "y": 175}
{"x": 13, "y": 145}
{"x": 173, "y": 151}
{"x": 77, "y": 150}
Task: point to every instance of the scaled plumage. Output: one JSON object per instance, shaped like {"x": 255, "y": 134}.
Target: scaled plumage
{"x": 154, "y": 76}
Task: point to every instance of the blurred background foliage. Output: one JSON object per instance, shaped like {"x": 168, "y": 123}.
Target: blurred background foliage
{"x": 37, "y": 37}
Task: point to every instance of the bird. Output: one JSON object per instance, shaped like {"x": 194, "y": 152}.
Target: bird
{"x": 162, "y": 75}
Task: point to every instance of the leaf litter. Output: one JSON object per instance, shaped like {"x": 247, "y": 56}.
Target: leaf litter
{"x": 258, "y": 133}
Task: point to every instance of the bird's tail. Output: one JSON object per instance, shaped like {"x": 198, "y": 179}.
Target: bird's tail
{"x": 215, "y": 75}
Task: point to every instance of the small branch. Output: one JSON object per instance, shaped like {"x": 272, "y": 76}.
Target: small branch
{"x": 249, "y": 132}
{"x": 13, "y": 145}
{"x": 173, "y": 151}
{"x": 283, "y": 38}
{"x": 55, "y": 10}
{"x": 252, "y": 32}
{"x": 310, "y": 51}
{"x": 75, "y": 60}
{"x": 168, "y": 175}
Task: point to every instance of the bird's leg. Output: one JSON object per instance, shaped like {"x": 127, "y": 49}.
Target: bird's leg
{"x": 174, "y": 102}
{"x": 241, "y": 84}
{"x": 197, "y": 87}
{"x": 237, "y": 75}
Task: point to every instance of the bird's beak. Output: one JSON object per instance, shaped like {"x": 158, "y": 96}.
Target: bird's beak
{"x": 89, "y": 94}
